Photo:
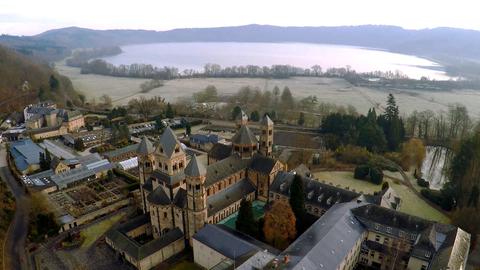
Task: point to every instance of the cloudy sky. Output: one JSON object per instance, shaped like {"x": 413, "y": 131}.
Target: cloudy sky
{"x": 27, "y": 17}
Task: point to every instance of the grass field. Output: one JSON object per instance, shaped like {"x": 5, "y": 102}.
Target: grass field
{"x": 336, "y": 91}
{"x": 92, "y": 233}
{"x": 411, "y": 203}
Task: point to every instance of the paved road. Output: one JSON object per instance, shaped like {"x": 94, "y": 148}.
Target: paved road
{"x": 14, "y": 253}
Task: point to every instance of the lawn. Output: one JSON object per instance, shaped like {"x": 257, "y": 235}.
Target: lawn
{"x": 345, "y": 179}
{"x": 258, "y": 212}
{"x": 411, "y": 203}
{"x": 95, "y": 231}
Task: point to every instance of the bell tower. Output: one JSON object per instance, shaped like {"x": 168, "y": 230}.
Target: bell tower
{"x": 146, "y": 163}
{"x": 266, "y": 136}
{"x": 196, "y": 175}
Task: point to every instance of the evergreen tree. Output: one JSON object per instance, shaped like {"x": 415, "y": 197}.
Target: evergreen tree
{"x": 297, "y": 201}
{"x": 301, "y": 119}
{"x": 392, "y": 124}
{"x": 188, "y": 128}
{"x": 169, "y": 113}
{"x": 371, "y": 137}
{"x": 236, "y": 112}
{"x": 255, "y": 116}
{"x": 287, "y": 98}
{"x": 474, "y": 195}
{"x": 245, "y": 221}
{"x": 43, "y": 164}
{"x": 48, "y": 159}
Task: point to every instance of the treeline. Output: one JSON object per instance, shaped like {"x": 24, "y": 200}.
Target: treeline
{"x": 81, "y": 56}
{"x": 376, "y": 133}
{"x": 101, "y": 67}
{"x": 443, "y": 127}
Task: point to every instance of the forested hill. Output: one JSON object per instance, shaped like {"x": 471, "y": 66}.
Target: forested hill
{"x": 23, "y": 81}
{"x": 437, "y": 43}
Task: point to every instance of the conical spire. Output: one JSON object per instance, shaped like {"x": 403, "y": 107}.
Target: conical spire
{"x": 168, "y": 141}
{"x": 195, "y": 168}
{"x": 145, "y": 147}
{"x": 266, "y": 121}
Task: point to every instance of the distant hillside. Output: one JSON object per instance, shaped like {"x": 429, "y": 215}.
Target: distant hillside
{"x": 23, "y": 81}
{"x": 447, "y": 45}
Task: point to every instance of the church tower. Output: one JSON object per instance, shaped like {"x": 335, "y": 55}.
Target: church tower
{"x": 196, "y": 175}
{"x": 266, "y": 136}
{"x": 146, "y": 161}
{"x": 242, "y": 119}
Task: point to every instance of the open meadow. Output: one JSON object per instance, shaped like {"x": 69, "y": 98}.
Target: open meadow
{"x": 328, "y": 90}
{"x": 411, "y": 203}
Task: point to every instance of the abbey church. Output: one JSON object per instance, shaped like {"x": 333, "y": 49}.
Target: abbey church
{"x": 180, "y": 194}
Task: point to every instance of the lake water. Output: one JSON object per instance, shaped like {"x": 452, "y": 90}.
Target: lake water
{"x": 195, "y": 55}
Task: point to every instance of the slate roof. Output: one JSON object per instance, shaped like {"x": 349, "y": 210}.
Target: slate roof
{"x": 148, "y": 185}
{"x": 316, "y": 193}
{"x": 230, "y": 243}
{"x": 327, "y": 242}
{"x": 158, "y": 197}
{"x": 168, "y": 141}
{"x": 227, "y": 196}
{"x": 391, "y": 218}
{"x": 169, "y": 179}
{"x": 25, "y": 153}
{"x": 263, "y": 164}
{"x": 226, "y": 167}
{"x": 195, "y": 168}
{"x": 266, "y": 121}
{"x": 133, "y": 248}
{"x": 180, "y": 199}
{"x": 63, "y": 179}
{"x": 145, "y": 147}
{"x": 244, "y": 136}
{"x": 220, "y": 151}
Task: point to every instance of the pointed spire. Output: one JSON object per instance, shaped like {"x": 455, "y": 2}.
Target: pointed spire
{"x": 145, "y": 147}
{"x": 266, "y": 121}
{"x": 168, "y": 141}
{"x": 195, "y": 168}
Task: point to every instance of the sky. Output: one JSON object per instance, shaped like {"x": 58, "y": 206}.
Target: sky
{"x": 29, "y": 17}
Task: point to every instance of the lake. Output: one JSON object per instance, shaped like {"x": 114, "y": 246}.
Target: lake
{"x": 195, "y": 55}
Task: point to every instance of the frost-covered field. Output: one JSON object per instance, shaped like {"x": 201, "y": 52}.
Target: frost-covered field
{"x": 335, "y": 91}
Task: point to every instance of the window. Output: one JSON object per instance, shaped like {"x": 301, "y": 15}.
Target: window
{"x": 264, "y": 132}
{"x": 424, "y": 267}
{"x": 270, "y": 132}
{"x": 389, "y": 229}
{"x": 377, "y": 238}
{"x": 237, "y": 148}
{"x": 177, "y": 149}
{"x": 165, "y": 215}
{"x": 197, "y": 187}
{"x": 245, "y": 149}
{"x": 180, "y": 165}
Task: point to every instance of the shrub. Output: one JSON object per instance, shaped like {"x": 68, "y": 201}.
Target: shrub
{"x": 353, "y": 154}
{"x": 361, "y": 172}
{"x": 423, "y": 183}
{"x": 385, "y": 185}
{"x": 437, "y": 198}
{"x": 376, "y": 176}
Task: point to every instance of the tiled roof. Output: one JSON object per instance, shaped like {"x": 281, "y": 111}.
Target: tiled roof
{"x": 316, "y": 193}
{"x": 266, "y": 121}
{"x": 169, "y": 141}
{"x": 158, "y": 197}
{"x": 327, "y": 242}
{"x": 228, "y": 242}
{"x": 220, "y": 151}
{"x": 224, "y": 168}
{"x": 229, "y": 195}
{"x": 169, "y": 179}
{"x": 244, "y": 136}
{"x": 263, "y": 164}
{"x": 195, "y": 168}
{"x": 180, "y": 199}
{"x": 133, "y": 248}
{"x": 145, "y": 147}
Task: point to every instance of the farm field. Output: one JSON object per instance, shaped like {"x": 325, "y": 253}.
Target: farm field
{"x": 328, "y": 90}
{"x": 410, "y": 204}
